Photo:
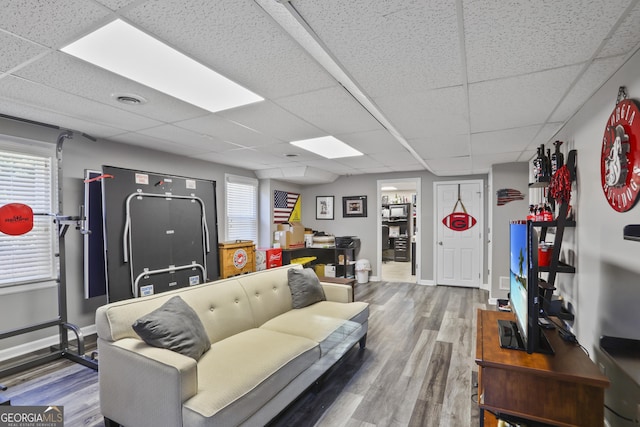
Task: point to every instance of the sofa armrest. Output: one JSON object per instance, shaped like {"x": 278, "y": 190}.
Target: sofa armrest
{"x": 143, "y": 385}
{"x": 337, "y": 293}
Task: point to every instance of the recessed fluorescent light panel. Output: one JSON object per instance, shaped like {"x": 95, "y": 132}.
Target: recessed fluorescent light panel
{"x": 327, "y": 146}
{"x": 131, "y": 53}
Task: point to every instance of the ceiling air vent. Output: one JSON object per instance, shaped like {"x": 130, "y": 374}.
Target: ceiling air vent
{"x": 129, "y": 99}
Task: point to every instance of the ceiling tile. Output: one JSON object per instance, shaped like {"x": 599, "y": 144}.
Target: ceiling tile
{"x": 225, "y": 130}
{"x": 241, "y": 156}
{"x": 518, "y": 101}
{"x": 236, "y": 39}
{"x": 626, "y": 37}
{"x": 399, "y": 159}
{"x": 420, "y": 114}
{"x": 416, "y": 42}
{"x": 505, "y": 140}
{"x": 49, "y": 22}
{"x": 53, "y": 117}
{"x": 117, "y": 4}
{"x": 178, "y": 135}
{"x": 360, "y": 162}
{"x": 441, "y": 146}
{"x": 376, "y": 141}
{"x": 331, "y": 166}
{"x": 269, "y": 119}
{"x": 15, "y": 50}
{"x": 159, "y": 144}
{"x": 593, "y": 78}
{"x": 288, "y": 152}
{"x": 88, "y": 81}
{"x": 29, "y": 93}
{"x": 450, "y": 165}
{"x": 519, "y": 37}
{"x": 332, "y": 110}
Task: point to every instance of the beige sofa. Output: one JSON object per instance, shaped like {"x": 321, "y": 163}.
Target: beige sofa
{"x": 263, "y": 353}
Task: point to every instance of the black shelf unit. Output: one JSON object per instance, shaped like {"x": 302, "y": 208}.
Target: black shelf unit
{"x": 398, "y": 246}
{"x": 346, "y": 268}
{"x": 547, "y": 287}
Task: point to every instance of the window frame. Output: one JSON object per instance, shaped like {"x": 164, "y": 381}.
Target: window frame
{"x": 45, "y": 213}
{"x": 230, "y": 179}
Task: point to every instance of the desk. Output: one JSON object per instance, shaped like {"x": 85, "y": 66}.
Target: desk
{"x": 565, "y": 389}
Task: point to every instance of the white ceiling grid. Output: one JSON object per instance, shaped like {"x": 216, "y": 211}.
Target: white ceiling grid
{"x": 461, "y": 84}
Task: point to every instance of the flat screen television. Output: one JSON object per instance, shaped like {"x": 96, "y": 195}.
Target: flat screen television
{"x": 524, "y": 297}
{"x": 398, "y": 211}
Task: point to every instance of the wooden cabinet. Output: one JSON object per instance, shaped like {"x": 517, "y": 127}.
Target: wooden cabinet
{"x": 565, "y": 389}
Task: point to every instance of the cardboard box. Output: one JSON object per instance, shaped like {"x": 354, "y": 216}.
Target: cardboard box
{"x": 330, "y": 270}
{"x": 292, "y": 236}
{"x": 268, "y": 258}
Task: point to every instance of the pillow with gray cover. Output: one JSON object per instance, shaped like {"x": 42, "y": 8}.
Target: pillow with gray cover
{"x": 305, "y": 287}
{"x": 174, "y": 326}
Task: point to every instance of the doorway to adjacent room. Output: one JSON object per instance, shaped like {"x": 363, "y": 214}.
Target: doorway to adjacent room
{"x": 398, "y": 235}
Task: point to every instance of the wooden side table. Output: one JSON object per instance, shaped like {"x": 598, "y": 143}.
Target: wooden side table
{"x": 341, "y": 281}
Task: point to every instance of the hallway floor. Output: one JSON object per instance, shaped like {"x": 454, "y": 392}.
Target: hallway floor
{"x": 393, "y": 271}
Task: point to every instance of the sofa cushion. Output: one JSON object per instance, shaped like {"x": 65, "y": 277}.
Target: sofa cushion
{"x": 174, "y": 326}
{"x": 326, "y": 331}
{"x": 357, "y": 311}
{"x": 240, "y": 374}
{"x": 305, "y": 287}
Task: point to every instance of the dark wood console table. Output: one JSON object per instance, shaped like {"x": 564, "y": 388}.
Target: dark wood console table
{"x": 565, "y": 389}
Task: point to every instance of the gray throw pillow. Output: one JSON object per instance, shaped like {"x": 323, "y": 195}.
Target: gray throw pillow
{"x": 174, "y": 326}
{"x": 305, "y": 287}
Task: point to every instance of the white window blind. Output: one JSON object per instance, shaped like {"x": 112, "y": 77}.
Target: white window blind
{"x": 28, "y": 179}
{"x": 241, "y": 199}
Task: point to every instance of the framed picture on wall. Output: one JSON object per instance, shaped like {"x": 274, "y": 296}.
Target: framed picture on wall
{"x": 324, "y": 207}
{"x": 354, "y": 206}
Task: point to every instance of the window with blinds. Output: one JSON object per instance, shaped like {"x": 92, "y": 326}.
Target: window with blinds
{"x": 28, "y": 179}
{"x": 241, "y": 200}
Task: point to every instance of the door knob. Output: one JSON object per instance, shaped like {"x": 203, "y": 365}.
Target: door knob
{"x": 440, "y": 243}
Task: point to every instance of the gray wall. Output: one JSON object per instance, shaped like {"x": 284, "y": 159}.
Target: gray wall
{"x": 366, "y": 228}
{"x": 79, "y": 153}
{"x": 605, "y": 290}
{"x": 507, "y": 175}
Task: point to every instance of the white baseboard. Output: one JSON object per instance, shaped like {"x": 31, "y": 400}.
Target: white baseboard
{"x": 22, "y": 349}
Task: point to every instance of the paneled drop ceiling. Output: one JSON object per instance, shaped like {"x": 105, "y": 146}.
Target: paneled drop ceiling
{"x": 446, "y": 86}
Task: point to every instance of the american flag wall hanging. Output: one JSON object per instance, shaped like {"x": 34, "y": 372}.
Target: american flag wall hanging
{"x": 286, "y": 207}
{"x": 506, "y": 195}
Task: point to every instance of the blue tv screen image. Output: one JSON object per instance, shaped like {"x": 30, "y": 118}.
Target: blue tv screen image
{"x": 518, "y": 275}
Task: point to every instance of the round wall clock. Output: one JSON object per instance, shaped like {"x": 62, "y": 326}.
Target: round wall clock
{"x": 620, "y": 156}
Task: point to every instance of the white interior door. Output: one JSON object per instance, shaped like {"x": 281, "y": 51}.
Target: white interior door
{"x": 459, "y": 253}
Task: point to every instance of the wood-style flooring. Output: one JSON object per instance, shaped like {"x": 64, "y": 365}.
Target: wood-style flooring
{"x": 417, "y": 370}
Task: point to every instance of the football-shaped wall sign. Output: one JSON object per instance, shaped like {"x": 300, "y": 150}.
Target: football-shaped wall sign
{"x": 459, "y": 221}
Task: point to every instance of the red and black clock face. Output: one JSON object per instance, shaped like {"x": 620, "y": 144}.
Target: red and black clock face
{"x": 620, "y": 156}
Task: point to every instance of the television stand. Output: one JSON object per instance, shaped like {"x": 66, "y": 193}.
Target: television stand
{"x": 566, "y": 389}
